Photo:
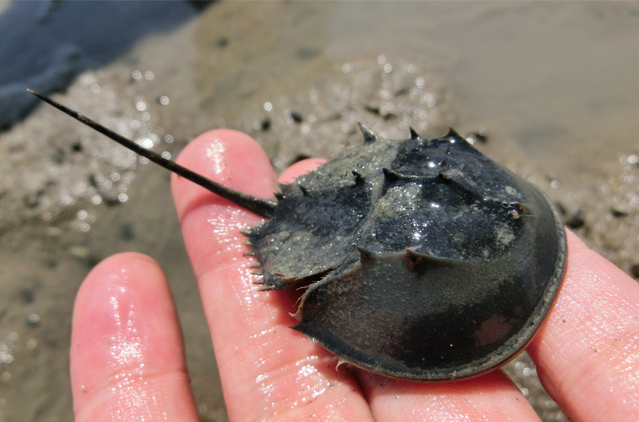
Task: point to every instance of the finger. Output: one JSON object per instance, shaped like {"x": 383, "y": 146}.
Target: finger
{"x": 127, "y": 361}
{"x": 301, "y": 167}
{"x": 587, "y": 353}
{"x": 268, "y": 371}
{"x": 491, "y": 397}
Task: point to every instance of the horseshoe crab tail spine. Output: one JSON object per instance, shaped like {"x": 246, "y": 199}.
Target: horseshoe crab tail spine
{"x": 260, "y": 206}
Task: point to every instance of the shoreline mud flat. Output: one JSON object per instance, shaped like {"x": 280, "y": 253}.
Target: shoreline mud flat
{"x": 70, "y": 198}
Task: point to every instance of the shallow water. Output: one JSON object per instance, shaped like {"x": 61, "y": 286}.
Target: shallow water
{"x": 552, "y": 84}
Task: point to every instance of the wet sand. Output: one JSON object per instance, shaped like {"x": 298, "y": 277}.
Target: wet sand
{"x": 552, "y": 86}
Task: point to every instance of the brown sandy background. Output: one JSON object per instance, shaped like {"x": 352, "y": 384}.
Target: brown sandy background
{"x": 552, "y": 85}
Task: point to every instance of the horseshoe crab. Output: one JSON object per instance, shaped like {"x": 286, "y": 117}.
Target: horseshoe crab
{"x": 419, "y": 258}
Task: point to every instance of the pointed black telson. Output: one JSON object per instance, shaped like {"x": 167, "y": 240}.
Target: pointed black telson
{"x": 260, "y": 206}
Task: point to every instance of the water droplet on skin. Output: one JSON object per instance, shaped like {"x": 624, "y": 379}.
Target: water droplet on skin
{"x": 215, "y": 151}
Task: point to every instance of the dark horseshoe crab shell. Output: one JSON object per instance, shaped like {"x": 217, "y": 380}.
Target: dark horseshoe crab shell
{"x": 419, "y": 259}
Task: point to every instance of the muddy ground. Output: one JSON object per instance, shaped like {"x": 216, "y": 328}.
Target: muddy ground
{"x": 553, "y": 88}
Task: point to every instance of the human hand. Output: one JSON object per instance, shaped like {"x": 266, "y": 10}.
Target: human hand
{"x": 127, "y": 359}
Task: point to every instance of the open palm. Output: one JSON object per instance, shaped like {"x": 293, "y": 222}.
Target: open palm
{"x": 127, "y": 358}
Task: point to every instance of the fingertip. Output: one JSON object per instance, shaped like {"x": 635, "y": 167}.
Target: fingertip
{"x": 211, "y": 224}
{"x": 122, "y": 262}
{"x": 225, "y": 156}
{"x": 299, "y": 168}
{"x": 116, "y": 272}
{"x": 126, "y": 344}
{"x": 585, "y": 341}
